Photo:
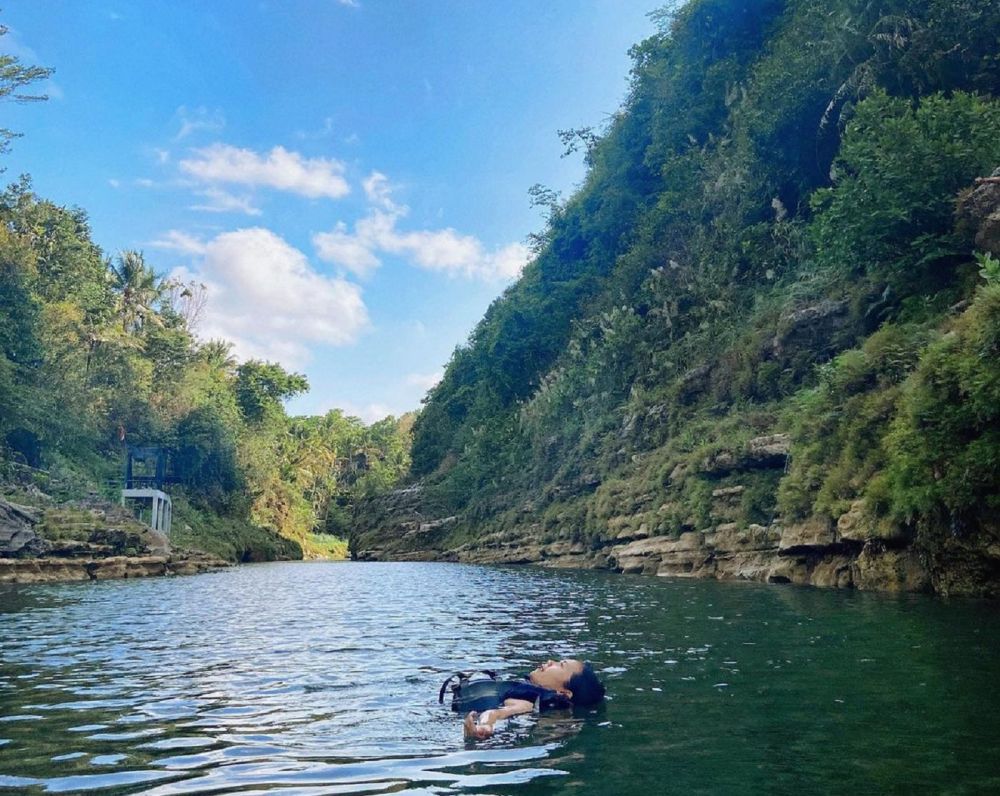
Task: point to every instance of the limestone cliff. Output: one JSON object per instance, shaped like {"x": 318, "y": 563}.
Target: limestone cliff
{"x": 852, "y": 552}
{"x": 762, "y": 340}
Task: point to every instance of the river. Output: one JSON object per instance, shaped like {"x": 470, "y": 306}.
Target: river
{"x": 321, "y": 678}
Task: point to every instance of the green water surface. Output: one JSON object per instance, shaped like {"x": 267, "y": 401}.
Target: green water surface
{"x": 307, "y": 679}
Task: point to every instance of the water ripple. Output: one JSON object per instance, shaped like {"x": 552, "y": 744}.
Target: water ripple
{"x": 309, "y": 679}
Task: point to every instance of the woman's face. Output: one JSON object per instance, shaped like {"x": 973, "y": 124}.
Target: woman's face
{"x": 555, "y": 675}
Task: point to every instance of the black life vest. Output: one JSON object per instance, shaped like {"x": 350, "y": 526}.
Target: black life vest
{"x": 486, "y": 693}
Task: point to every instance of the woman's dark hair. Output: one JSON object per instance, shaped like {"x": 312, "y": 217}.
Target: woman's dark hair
{"x": 586, "y": 688}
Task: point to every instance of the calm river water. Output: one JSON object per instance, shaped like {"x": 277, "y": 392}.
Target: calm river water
{"x": 303, "y": 679}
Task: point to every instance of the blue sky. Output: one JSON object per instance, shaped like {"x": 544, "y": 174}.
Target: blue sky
{"x": 348, "y": 178}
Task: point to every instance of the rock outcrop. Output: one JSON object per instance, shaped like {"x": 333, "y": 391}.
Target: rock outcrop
{"x": 851, "y": 552}
{"x": 805, "y": 554}
{"x": 765, "y": 452}
{"x": 810, "y": 328}
{"x": 17, "y": 530}
{"x": 88, "y": 540}
{"x": 979, "y": 208}
{"x": 415, "y": 535}
{"x": 48, "y": 569}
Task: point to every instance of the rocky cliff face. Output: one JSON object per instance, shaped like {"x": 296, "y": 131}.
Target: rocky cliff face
{"x": 710, "y": 512}
{"x": 851, "y": 553}
{"x": 86, "y": 540}
{"x": 17, "y": 530}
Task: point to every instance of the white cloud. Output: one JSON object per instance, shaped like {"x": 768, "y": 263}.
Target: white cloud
{"x": 279, "y": 169}
{"x": 346, "y": 250}
{"x": 265, "y": 296}
{"x": 114, "y": 183}
{"x": 350, "y": 3}
{"x": 220, "y": 201}
{"x": 177, "y": 241}
{"x": 424, "y": 381}
{"x": 200, "y": 119}
{"x": 325, "y": 131}
{"x": 144, "y": 182}
{"x": 378, "y": 190}
{"x": 447, "y": 250}
{"x": 372, "y": 413}
{"x": 162, "y": 155}
{"x": 443, "y": 250}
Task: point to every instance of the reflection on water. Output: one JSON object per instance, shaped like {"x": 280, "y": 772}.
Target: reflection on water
{"x": 322, "y": 679}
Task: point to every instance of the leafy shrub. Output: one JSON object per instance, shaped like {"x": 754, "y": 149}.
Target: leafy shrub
{"x": 945, "y": 443}
{"x": 890, "y": 211}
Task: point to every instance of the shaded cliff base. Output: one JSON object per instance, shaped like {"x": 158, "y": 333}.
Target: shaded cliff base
{"x": 87, "y": 540}
{"x": 850, "y": 553}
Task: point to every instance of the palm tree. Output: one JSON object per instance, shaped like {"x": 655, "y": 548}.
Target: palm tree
{"x": 218, "y": 354}
{"x": 138, "y": 287}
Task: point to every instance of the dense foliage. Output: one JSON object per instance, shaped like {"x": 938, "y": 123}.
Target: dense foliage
{"x": 98, "y": 354}
{"x": 778, "y": 192}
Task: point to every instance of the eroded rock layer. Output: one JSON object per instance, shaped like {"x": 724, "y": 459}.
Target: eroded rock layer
{"x": 853, "y": 552}
{"x": 90, "y": 540}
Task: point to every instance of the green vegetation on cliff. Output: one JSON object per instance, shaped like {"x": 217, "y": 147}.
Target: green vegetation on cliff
{"x": 766, "y": 243}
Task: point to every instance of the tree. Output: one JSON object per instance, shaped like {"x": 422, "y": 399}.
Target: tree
{"x": 218, "y": 355}
{"x": 891, "y": 208}
{"x": 65, "y": 263}
{"x": 15, "y": 76}
{"x": 205, "y": 455}
{"x": 138, "y": 287}
{"x": 186, "y": 300}
{"x": 261, "y": 386}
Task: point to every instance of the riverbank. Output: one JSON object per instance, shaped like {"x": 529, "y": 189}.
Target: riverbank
{"x": 762, "y": 339}
{"x": 87, "y": 540}
{"x": 52, "y": 570}
{"x": 851, "y": 553}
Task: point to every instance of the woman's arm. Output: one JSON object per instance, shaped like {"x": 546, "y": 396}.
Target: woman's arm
{"x": 480, "y": 726}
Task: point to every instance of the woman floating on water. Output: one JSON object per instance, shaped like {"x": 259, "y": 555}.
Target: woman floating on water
{"x": 553, "y": 685}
